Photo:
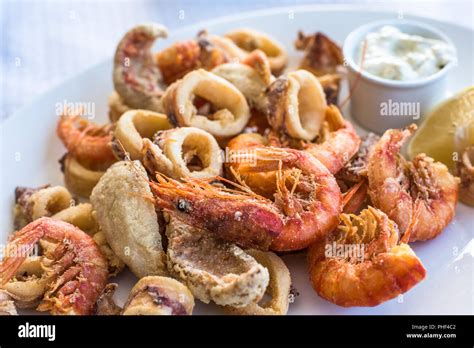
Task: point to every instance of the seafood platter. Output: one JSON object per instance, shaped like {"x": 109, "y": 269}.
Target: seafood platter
{"x": 243, "y": 168}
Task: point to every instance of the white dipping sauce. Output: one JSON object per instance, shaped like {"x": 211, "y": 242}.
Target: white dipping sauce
{"x": 394, "y": 55}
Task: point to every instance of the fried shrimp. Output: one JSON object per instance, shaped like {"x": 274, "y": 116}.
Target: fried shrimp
{"x": 297, "y": 105}
{"x": 338, "y": 141}
{"x": 89, "y": 143}
{"x": 401, "y": 188}
{"x": 71, "y": 273}
{"x": 306, "y": 204}
{"x": 133, "y": 127}
{"x": 250, "y": 40}
{"x": 136, "y": 76}
{"x": 229, "y": 111}
{"x": 363, "y": 263}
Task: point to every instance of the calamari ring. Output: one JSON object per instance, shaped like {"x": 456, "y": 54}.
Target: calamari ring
{"x": 186, "y": 152}
{"x": 136, "y": 76}
{"x": 237, "y": 279}
{"x": 250, "y": 40}
{"x": 117, "y": 107}
{"x": 79, "y": 179}
{"x": 297, "y": 105}
{"x": 29, "y": 284}
{"x": 363, "y": 263}
{"x": 135, "y": 125}
{"x": 155, "y": 295}
{"x": 251, "y": 77}
{"x": 7, "y": 305}
{"x": 31, "y": 204}
{"x": 80, "y": 216}
{"x": 232, "y": 109}
{"x": 278, "y": 288}
{"x": 233, "y": 53}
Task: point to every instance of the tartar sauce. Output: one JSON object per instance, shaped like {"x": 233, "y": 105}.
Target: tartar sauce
{"x": 394, "y": 55}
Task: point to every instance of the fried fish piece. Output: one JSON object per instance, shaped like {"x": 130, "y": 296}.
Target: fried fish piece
{"x": 125, "y": 212}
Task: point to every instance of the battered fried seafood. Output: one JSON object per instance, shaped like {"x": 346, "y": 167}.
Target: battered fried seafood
{"x": 159, "y": 296}
{"x": 322, "y": 55}
{"x": 87, "y": 142}
{"x": 7, "y": 305}
{"x": 206, "y": 52}
{"x": 69, "y": 276}
{"x": 136, "y": 77}
{"x": 123, "y": 202}
{"x": 117, "y": 107}
{"x": 77, "y": 178}
{"x": 251, "y": 77}
{"x": 212, "y": 269}
{"x": 297, "y": 105}
{"x": 183, "y": 152}
{"x": 374, "y": 266}
{"x": 229, "y": 113}
{"x": 250, "y": 40}
{"x": 352, "y": 179}
{"x": 402, "y": 189}
{"x": 465, "y": 170}
{"x": 133, "y": 127}
{"x": 33, "y": 203}
{"x": 278, "y": 288}
{"x": 306, "y": 207}
{"x": 338, "y": 141}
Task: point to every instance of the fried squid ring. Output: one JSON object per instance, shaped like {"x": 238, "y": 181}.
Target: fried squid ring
{"x": 278, "y": 288}
{"x": 117, "y": 107}
{"x": 250, "y": 40}
{"x": 159, "y": 296}
{"x": 136, "y": 76}
{"x": 232, "y": 111}
{"x": 363, "y": 263}
{"x": 29, "y": 284}
{"x": 186, "y": 152}
{"x": 135, "y": 125}
{"x": 79, "y": 179}
{"x": 31, "y": 204}
{"x": 7, "y": 305}
{"x": 212, "y": 269}
{"x": 81, "y": 216}
{"x": 297, "y": 105}
{"x": 252, "y": 78}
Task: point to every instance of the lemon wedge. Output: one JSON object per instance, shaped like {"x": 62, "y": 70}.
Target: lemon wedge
{"x": 447, "y": 129}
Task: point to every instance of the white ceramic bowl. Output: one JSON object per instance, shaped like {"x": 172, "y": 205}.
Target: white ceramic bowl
{"x": 373, "y": 96}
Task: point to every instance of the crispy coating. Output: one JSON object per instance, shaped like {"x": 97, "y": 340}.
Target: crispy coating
{"x": 124, "y": 205}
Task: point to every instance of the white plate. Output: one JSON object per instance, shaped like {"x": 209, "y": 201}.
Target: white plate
{"x": 30, "y": 151}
